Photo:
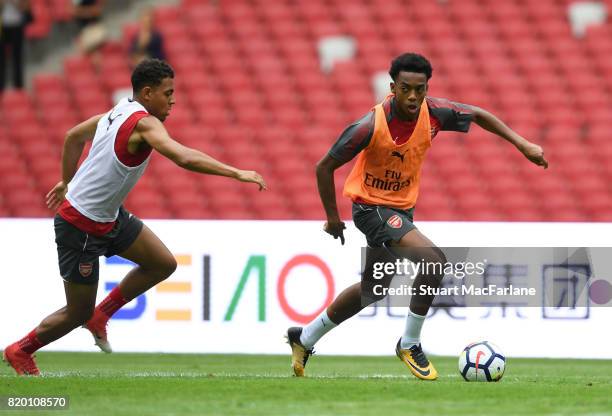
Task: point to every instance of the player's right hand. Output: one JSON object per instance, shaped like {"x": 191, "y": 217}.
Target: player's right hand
{"x": 535, "y": 154}
{"x": 56, "y": 195}
{"x": 335, "y": 229}
{"x": 252, "y": 176}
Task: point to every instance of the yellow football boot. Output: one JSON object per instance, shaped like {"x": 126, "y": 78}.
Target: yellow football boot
{"x": 416, "y": 361}
{"x": 299, "y": 353}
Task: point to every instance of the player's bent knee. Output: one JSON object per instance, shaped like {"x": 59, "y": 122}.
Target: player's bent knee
{"x": 434, "y": 255}
{"x": 370, "y": 299}
{"x": 165, "y": 266}
{"x": 161, "y": 267}
{"x": 438, "y": 255}
{"x": 371, "y": 292}
{"x": 169, "y": 266}
{"x": 442, "y": 257}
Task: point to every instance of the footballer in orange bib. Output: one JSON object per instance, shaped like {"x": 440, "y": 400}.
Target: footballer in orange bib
{"x": 390, "y": 143}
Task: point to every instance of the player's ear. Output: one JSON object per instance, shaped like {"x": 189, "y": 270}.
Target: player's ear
{"x": 146, "y": 92}
{"x": 392, "y": 87}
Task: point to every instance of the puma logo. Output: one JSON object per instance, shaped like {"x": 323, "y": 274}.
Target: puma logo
{"x": 398, "y": 154}
{"x": 111, "y": 119}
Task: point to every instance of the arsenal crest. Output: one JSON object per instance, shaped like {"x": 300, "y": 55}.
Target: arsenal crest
{"x": 395, "y": 221}
{"x": 85, "y": 269}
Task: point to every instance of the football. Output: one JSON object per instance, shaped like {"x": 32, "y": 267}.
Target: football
{"x": 482, "y": 361}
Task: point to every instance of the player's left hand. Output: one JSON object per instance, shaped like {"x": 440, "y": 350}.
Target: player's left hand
{"x": 252, "y": 176}
{"x": 56, "y": 195}
{"x": 535, "y": 154}
{"x": 335, "y": 229}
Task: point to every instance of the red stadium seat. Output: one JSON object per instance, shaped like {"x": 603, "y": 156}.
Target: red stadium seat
{"x": 235, "y": 213}
{"x": 250, "y": 91}
{"x": 193, "y": 213}
{"x": 32, "y": 211}
{"x": 153, "y": 212}
{"x": 60, "y": 10}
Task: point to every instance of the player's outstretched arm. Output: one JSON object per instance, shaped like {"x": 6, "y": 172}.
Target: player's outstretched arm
{"x": 74, "y": 144}
{"x": 489, "y": 122}
{"x": 327, "y": 191}
{"x": 154, "y": 133}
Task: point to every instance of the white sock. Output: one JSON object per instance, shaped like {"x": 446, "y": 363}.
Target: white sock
{"x": 313, "y": 332}
{"x": 412, "y": 332}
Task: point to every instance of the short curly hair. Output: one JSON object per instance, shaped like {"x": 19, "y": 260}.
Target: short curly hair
{"x": 150, "y": 73}
{"x": 410, "y": 62}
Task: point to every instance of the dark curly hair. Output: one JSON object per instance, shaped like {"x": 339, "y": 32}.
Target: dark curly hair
{"x": 410, "y": 62}
{"x": 150, "y": 73}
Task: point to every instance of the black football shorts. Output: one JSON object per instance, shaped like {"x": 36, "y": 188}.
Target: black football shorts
{"x": 382, "y": 224}
{"x": 78, "y": 252}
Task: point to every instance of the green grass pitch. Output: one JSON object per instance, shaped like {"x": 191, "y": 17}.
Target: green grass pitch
{"x": 185, "y": 384}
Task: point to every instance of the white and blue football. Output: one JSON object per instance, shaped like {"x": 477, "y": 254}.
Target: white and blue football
{"x": 482, "y": 361}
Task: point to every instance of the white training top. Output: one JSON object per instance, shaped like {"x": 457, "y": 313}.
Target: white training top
{"x": 103, "y": 181}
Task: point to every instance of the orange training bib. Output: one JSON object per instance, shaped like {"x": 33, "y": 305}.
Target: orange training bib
{"x": 385, "y": 173}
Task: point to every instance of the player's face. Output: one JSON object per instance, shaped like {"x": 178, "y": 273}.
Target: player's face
{"x": 161, "y": 99}
{"x": 410, "y": 89}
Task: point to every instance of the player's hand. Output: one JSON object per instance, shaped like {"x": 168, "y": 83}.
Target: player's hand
{"x": 335, "y": 229}
{"x": 535, "y": 154}
{"x": 56, "y": 195}
{"x": 252, "y": 176}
